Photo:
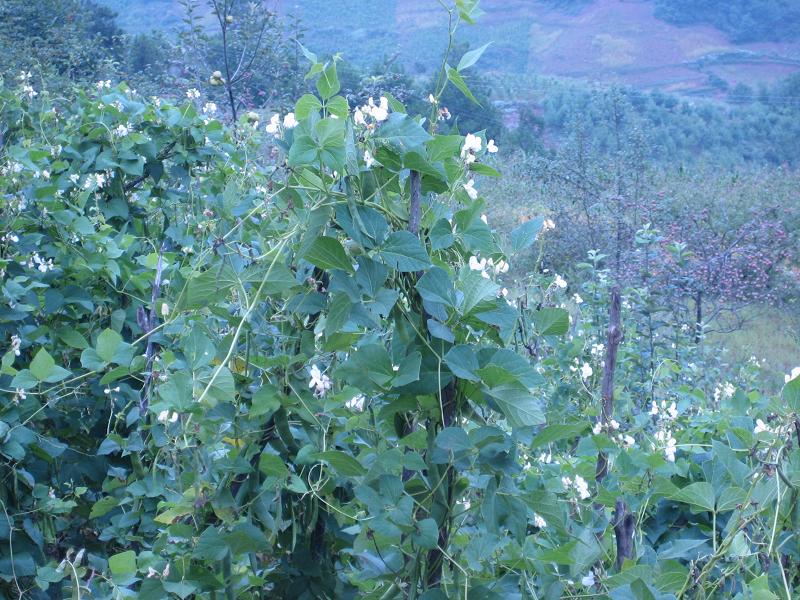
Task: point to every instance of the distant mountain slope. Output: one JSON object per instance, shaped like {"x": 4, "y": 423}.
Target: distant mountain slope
{"x": 621, "y": 41}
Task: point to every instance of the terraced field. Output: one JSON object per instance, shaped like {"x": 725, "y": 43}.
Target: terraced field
{"x": 618, "y": 41}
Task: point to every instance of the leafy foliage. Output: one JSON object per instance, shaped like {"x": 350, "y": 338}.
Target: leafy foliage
{"x": 284, "y": 364}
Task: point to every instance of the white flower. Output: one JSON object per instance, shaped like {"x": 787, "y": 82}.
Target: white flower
{"x": 628, "y": 440}
{"x": 469, "y": 187}
{"x": 566, "y": 482}
{"x": 548, "y": 225}
{"x": 164, "y": 309}
{"x": 582, "y": 487}
{"x": 167, "y": 416}
{"x": 665, "y": 436}
{"x": 16, "y": 342}
{"x": 368, "y": 159}
{"x": 477, "y": 265}
{"x": 539, "y": 522}
{"x": 760, "y": 427}
{"x": 273, "y": 126}
{"x": 289, "y": 122}
{"x": 577, "y": 299}
{"x": 560, "y": 282}
{"x": 379, "y": 112}
{"x": 472, "y": 144}
{"x": 192, "y": 94}
{"x": 485, "y": 219}
{"x": 546, "y": 458}
{"x": 588, "y": 580}
{"x": 209, "y": 108}
{"x": 586, "y": 370}
{"x": 654, "y": 408}
{"x": 319, "y": 381}
{"x": 792, "y": 376}
{"x": 356, "y": 403}
{"x": 491, "y": 148}
{"x": 121, "y": 131}
{"x": 103, "y": 84}
{"x": 501, "y": 267}
{"x": 673, "y": 411}
{"x": 358, "y": 117}
{"x": 614, "y": 424}
{"x": 431, "y": 99}
{"x": 597, "y": 428}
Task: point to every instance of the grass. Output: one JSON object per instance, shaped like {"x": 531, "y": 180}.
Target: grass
{"x": 771, "y": 334}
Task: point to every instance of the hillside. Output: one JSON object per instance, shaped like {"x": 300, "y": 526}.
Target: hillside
{"x": 608, "y": 41}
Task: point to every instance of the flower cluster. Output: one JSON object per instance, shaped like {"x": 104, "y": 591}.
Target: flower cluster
{"x": 27, "y": 89}
{"x": 16, "y": 342}
{"x": 664, "y": 437}
{"x": 666, "y": 412}
{"x": 319, "y": 381}
{"x": 377, "y": 112}
{"x": 723, "y": 391}
{"x": 469, "y": 187}
{"x": 598, "y": 427}
{"x": 274, "y": 125}
{"x": 579, "y": 485}
{"x": 167, "y": 416}
{"x": 472, "y": 145}
{"x": 42, "y": 265}
{"x": 98, "y": 180}
{"x": 356, "y": 403}
{"x": 485, "y": 264}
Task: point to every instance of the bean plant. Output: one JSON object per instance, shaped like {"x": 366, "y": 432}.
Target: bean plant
{"x": 282, "y": 361}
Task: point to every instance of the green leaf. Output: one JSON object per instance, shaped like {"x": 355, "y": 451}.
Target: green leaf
{"x": 402, "y": 134}
{"x": 461, "y": 360}
{"x": 551, "y": 321}
{"x": 476, "y": 289}
{"x": 265, "y": 401}
{"x": 518, "y": 405}
{"x": 73, "y": 339}
{"x": 328, "y": 253}
{"x": 555, "y": 433}
{"x": 426, "y": 534}
{"x": 699, "y": 494}
{"x": 103, "y": 506}
{"x": 404, "y": 252}
{"x": 42, "y": 365}
{"x": 342, "y": 463}
{"x": 122, "y": 564}
{"x": 338, "y": 106}
{"x": 458, "y": 81}
{"x": 269, "y": 464}
{"x": 307, "y": 104}
{"x": 436, "y": 286}
{"x": 525, "y": 235}
{"x": 791, "y": 394}
{"x": 245, "y": 538}
{"x": 312, "y": 58}
{"x": 328, "y": 82}
{"x": 107, "y": 343}
{"x": 471, "y": 57}
{"x": 408, "y": 370}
